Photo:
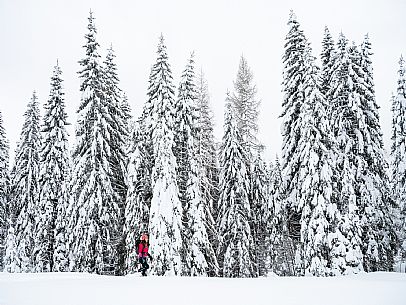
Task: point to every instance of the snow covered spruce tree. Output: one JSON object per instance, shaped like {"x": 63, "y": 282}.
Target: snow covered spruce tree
{"x": 198, "y": 253}
{"x": 346, "y": 242}
{"x": 185, "y": 133}
{"x": 236, "y": 247}
{"x": 398, "y": 154}
{"x": 118, "y": 113}
{"x": 376, "y": 200}
{"x": 364, "y": 196}
{"x": 293, "y": 78}
{"x": 315, "y": 183}
{"x": 95, "y": 203}
{"x": 23, "y": 206}
{"x": 53, "y": 179}
{"x": 4, "y": 190}
{"x": 208, "y": 163}
{"x": 165, "y": 222}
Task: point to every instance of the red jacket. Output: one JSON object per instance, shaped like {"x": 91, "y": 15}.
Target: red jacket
{"x": 143, "y": 249}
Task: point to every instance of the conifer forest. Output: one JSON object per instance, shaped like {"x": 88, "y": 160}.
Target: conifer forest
{"x": 332, "y": 203}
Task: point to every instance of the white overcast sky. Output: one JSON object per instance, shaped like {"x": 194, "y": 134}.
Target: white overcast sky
{"x": 35, "y": 33}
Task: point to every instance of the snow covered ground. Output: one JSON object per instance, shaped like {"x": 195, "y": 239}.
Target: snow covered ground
{"x": 87, "y": 289}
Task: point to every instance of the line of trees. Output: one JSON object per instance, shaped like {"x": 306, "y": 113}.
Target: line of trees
{"x": 332, "y": 205}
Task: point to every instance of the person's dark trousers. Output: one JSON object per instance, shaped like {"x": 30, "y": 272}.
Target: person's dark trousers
{"x": 144, "y": 265}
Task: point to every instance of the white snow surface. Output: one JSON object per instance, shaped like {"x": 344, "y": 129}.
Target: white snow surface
{"x": 80, "y": 288}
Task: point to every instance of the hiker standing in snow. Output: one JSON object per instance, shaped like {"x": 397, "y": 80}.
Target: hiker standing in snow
{"x": 143, "y": 254}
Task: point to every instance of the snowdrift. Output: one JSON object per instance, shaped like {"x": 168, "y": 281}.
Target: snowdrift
{"x": 88, "y": 289}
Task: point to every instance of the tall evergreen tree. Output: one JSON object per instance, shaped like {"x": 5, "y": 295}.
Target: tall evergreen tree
{"x": 118, "y": 130}
{"x": 185, "y": 133}
{"x": 398, "y": 153}
{"x": 24, "y": 190}
{"x": 208, "y": 163}
{"x": 166, "y": 209}
{"x": 236, "y": 249}
{"x": 376, "y": 202}
{"x": 53, "y": 178}
{"x": 4, "y": 190}
{"x": 95, "y": 204}
{"x": 346, "y": 244}
{"x": 293, "y": 78}
{"x": 316, "y": 170}
{"x": 199, "y": 256}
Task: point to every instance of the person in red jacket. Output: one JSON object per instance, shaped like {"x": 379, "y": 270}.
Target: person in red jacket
{"x": 143, "y": 254}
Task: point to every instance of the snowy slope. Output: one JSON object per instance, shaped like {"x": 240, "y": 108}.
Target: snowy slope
{"x": 87, "y": 289}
